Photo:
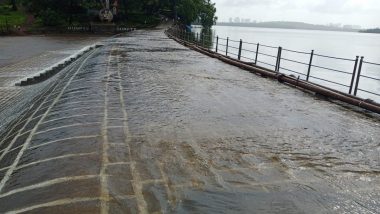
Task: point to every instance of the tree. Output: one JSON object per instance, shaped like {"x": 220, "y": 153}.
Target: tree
{"x": 138, "y": 11}
{"x": 192, "y": 10}
{"x": 207, "y": 15}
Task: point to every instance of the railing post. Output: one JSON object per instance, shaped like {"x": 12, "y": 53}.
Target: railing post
{"x": 310, "y": 64}
{"x": 277, "y": 68}
{"x": 257, "y": 53}
{"x": 197, "y": 38}
{"x": 240, "y": 46}
{"x": 279, "y": 60}
{"x": 227, "y": 46}
{"x": 353, "y": 74}
{"x": 359, "y": 74}
{"x": 217, "y": 44}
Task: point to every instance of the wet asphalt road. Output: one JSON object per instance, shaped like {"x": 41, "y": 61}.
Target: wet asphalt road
{"x": 145, "y": 125}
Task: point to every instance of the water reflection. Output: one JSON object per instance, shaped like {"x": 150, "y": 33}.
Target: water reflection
{"x": 204, "y": 37}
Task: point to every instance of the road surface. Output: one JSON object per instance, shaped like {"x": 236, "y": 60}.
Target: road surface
{"x": 145, "y": 125}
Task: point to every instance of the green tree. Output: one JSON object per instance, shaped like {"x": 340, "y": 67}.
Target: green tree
{"x": 141, "y": 11}
{"x": 207, "y": 15}
{"x": 192, "y": 10}
{"x": 50, "y": 17}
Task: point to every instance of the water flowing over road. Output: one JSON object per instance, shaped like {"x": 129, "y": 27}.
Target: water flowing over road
{"x": 145, "y": 125}
{"x": 26, "y": 56}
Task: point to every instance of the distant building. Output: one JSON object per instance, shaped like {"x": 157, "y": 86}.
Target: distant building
{"x": 237, "y": 20}
{"x": 337, "y": 25}
{"x": 231, "y": 20}
{"x": 352, "y": 27}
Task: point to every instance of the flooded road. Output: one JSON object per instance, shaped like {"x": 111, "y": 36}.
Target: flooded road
{"x": 17, "y": 48}
{"x": 26, "y": 56}
{"x": 145, "y": 125}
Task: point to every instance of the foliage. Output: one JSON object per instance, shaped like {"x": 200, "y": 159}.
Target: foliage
{"x": 12, "y": 18}
{"x": 207, "y": 15}
{"x": 201, "y": 10}
{"x": 50, "y": 17}
{"x": 142, "y": 11}
{"x": 375, "y": 30}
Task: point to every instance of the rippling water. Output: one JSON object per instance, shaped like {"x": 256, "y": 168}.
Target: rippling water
{"x": 337, "y": 44}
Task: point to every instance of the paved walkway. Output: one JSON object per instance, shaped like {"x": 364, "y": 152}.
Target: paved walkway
{"x": 144, "y": 125}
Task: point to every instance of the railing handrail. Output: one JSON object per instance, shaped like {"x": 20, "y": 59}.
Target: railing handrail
{"x": 294, "y": 51}
{"x": 371, "y": 63}
{"x": 333, "y": 57}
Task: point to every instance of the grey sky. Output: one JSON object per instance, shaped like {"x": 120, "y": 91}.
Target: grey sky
{"x": 358, "y": 12}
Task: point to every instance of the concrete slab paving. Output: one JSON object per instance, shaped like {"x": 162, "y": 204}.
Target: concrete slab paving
{"x": 145, "y": 125}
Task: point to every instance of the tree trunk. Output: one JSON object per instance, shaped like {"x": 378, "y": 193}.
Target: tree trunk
{"x": 125, "y": 5}
{"x": 71, "y": 12}
{"x": 14, "y": 6}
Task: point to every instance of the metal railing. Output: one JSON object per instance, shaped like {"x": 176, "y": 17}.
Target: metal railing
{"x": 89, "y": 28}
{"x": 351, "y": 81}
{"x": 86, "y": 28}
{"x": 367, "y": 76}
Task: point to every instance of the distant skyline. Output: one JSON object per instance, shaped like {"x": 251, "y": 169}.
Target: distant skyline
{"x": 365, "y": 13}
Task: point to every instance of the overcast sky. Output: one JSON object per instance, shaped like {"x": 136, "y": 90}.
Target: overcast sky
{"x": 358, "y": 12}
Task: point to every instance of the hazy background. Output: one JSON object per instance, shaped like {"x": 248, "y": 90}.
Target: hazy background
{"x": 365, "y": 13}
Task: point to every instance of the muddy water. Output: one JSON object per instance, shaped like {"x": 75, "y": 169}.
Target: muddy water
{"x": 15, "y": 49}
{"x": 21, "y": 57}
{"x": 26, "y": 56}
{"x": 144, "y": 125}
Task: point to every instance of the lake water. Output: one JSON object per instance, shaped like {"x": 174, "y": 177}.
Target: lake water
{"x": 345, "y": 45}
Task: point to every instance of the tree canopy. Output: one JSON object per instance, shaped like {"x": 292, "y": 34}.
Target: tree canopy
{"x": 56, "y": 12}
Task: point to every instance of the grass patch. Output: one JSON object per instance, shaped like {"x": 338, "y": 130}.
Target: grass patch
{"x": 7, "y": 15}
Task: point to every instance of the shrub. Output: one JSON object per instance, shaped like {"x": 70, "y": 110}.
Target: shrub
{"x": 51, "y": 18}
